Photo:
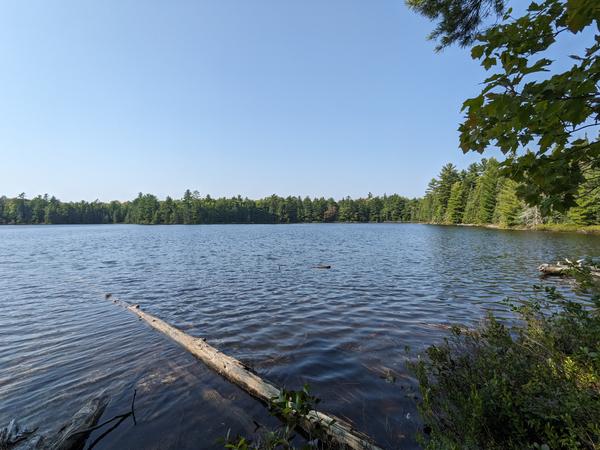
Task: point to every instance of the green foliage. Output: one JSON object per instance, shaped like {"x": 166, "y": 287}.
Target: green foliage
{"x": 459, "y": 20}
{"x": 587, "y": 204}
{"x": 448, "y": 176}
{"x": 487, "y": 184}
{"x": 529, "y": 104}
{"x": 195, "y": 209}
{"x": 293, "y": 408}
{"x": 542, "y": 113}
{"x": 508, "y": 205}
{"x": 456, "y": 203}
{"x": 533, "y": 383}
{"x": 483, "y": 195}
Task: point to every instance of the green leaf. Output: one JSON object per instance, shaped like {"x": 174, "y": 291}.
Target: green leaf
{"x": 581, "y": 13}
{"x": 473, "y": 103}
{"x": 477, "y": 51}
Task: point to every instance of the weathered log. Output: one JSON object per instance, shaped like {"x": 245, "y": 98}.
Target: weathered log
{"x": 554, "y": 269}
{"x": 337, "y": 430}
{"x": 564, "y": 269}
{"x": 74, "y": 434}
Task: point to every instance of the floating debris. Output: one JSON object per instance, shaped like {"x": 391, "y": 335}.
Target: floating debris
{"x": 566, "y": 268}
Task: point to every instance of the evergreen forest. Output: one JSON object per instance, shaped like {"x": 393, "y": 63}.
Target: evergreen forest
{"x": 478, "y": 195}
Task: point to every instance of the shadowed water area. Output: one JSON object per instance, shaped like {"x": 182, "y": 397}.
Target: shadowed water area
{"x": 252, "y": 291}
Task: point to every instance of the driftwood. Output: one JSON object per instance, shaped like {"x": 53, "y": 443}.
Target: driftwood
{"x": 337, "y": 430}
{"x": 561, "y": 268}
{"x": 554, "y": 269}
{"x": 73, "y": 435}
{"x": 322, "y": 266}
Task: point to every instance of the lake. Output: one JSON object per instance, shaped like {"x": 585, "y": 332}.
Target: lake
{"x": 252, "y": 291}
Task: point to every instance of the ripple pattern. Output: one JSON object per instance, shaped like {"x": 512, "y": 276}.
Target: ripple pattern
{"x": 252, "y": 291}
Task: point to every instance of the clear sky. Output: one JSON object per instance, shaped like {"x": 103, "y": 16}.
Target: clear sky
{"x": 104, "y": 99}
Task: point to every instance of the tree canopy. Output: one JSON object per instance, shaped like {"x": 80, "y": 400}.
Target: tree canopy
{"x": 193, "y": 208}
{"x": 544, "y": 118}
{"x": 459, "y": 21}
{"x": 480, "y": 194}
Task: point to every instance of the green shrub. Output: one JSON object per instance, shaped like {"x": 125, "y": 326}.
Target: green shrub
{"x": 292, "y": 408}
{"x": 533, "y": 382}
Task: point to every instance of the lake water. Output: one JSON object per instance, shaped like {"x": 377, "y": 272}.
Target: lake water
{"x": 253, "y": 292}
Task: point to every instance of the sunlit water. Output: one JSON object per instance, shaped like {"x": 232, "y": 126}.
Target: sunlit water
{"x": 253, "y": 292}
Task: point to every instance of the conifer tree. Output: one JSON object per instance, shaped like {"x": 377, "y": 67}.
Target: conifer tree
{"x": 456, "y": 203}
{"x": 488, "y": 185}
{"x": 587, "y": 208}
{"x": 508, "y": 205}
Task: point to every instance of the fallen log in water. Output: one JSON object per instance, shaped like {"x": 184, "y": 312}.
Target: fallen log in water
{"x": 336, "y": 429}
{"x": 553, "y": 269}
{"x": 565, "y": 269}
{"x": 72, "y": 436}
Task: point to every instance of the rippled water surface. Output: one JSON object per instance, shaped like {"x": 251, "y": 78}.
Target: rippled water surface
{"x": 251, "y": 291}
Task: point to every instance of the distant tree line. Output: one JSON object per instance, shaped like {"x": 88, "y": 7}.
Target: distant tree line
{"x": 478, "y": 195}
{"x": 192, "y": 208}
{"x": 481, "y": 195}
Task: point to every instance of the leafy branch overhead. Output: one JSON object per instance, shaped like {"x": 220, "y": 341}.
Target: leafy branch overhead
{"x": 544, "y": 119}
{"x": 459, "y": 20}
{"x": 519, "y": 107}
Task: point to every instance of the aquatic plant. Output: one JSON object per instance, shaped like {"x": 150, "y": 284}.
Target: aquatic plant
{"x": 293, "y": 408}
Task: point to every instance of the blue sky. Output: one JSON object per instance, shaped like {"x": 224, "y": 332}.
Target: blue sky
{"x": 104, "y": 99}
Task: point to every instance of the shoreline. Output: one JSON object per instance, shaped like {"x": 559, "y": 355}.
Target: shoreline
{"x": 551, "y": 228}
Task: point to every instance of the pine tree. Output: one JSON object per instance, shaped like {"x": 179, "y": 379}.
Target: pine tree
{"x": 508, "y": 205}
{"x": 472, "y": 205}
{"x": 448, "y": 176}
{"x": 587, "y": 209}
{"x": 456, "y": 203}
{"x": 488, "y": 186}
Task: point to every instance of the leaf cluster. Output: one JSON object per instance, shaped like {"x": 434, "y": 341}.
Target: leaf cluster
{"x": 293, "y": 408}
{"x": 527, "y": 104}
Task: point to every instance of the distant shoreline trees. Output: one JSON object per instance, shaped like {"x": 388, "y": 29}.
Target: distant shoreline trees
{"x": 478, "y": 195}
{"x": 482, "y": 195}
{"x": 192, "y": 208}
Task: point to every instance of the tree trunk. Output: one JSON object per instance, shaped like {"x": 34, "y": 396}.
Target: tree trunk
{"x": 337, "y": 430}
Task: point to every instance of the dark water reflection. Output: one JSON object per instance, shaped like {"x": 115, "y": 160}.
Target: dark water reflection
{"x": 252, "y": 292}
